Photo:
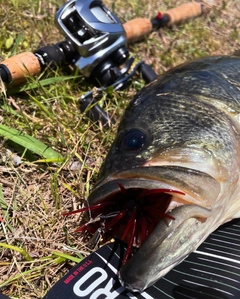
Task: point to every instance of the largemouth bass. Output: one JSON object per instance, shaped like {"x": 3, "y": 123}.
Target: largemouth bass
{"x": 171, "y": 176}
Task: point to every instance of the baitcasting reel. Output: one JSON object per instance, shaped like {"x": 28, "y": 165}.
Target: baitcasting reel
{"x": 99, "y": 38}
{"x": 97, "y": 35}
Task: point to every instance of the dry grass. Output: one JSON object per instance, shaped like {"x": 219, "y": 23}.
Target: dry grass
{"x": 34, "y": 194}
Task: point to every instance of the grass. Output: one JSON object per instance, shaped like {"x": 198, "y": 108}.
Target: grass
{"x": 37, "y": 244}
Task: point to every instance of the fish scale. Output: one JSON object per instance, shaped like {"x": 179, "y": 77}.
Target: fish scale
{"x": 179, "y": 135}
{"x": 191, "y": 124}
{"x": 220, "y": 75}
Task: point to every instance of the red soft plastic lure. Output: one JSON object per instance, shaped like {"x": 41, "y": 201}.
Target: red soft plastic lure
{"x": 130, "y": 216}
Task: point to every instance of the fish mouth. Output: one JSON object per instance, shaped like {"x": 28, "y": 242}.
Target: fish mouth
{"x": 144, "y": 201}
{"x": 146, "y": 206}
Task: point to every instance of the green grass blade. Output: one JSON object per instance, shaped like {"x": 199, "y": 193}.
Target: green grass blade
{"x": 26, "y": 273}
{"x": 41, "y": 83}
{"x": 10, "y": 110}
{"x": 30, "y": 143}
{"x": 68, "y": 257}
{"x": 20, "y": 250}
{"x": 16, "y": 44}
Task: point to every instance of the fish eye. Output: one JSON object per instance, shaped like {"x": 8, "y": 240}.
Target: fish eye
{"x": 131, "y": 140}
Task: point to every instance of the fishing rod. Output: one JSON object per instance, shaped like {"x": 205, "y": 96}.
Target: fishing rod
{"x": 96, "y": 44}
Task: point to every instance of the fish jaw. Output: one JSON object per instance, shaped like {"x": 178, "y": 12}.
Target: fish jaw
{"x": 167, "y": 247}
{"x": 195, "y": 184}
{"x": 192, "y": 196}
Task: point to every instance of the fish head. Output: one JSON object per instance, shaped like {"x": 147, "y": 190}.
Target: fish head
{"x": 171, "y": 177}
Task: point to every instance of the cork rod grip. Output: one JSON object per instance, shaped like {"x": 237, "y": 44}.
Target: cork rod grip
{"x": 139, "y": 27}
{"x": 22, "y": 65}
{"x": 184, "y": 12}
